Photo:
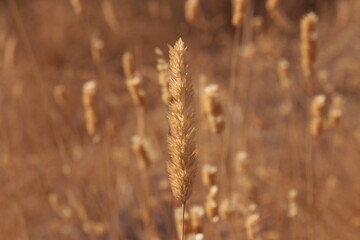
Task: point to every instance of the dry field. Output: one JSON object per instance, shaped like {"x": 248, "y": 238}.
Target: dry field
{"x": 116, "y": 113}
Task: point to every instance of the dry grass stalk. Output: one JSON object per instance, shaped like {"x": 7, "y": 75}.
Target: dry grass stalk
{"x": 323, "y": 76}
{"x": 128, "y": 65}
{"x": 181, "y": 141}
{"x": 309, "y": 40}
{"x": 213, "y": 109}
{"x": 211, "y": 205}
{"x": 245, "y": 178}
{"x": 90, "y": 227}
{"x": 133, "y": 80}
{"x": 293, "y": 207}
{"x": 239, "y": 12}
{"x": 203, "y": 81}
{"x": 51, "y": 152}
{"x": 317, "y": 108}
{"x": 316, "y": 126}
{"x": 196, "y": 216}
{"x": 139, "y": 147}
{"x": 88, "y": 99}
{"x": 199, "y": 236}
{"x": 110, "y": 16}
{"x": 241, "y": 163}
{"x": 77, "y": 6}
{"x": 192, "y": 11}
{"x": 334, "y": 117}
{"x": 227, "y": 209}
{"x": 213, "y": 192}
{"x": 183, "y": 223}
{"x": 317, "y": 112}
{"x": 252, "y": 227}
{"x": 212, "y": 210}
{"x": 217, "y": 124}
{"x": 209, "y": 173}
{"x": 9, "y": 52}
{"x": 283, "y": 73}
{"x": 335, "y": 112}
{"x": 272, "y": 6}
{"x": 136, "y": 91}
{"x": 162, "y": 67}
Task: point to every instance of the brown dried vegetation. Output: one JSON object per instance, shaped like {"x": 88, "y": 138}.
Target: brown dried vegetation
{"x": 97, "y": 132}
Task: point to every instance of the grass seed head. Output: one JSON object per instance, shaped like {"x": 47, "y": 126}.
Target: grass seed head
{"x": 181, "y": 139}
{"x": 239, "y": 12}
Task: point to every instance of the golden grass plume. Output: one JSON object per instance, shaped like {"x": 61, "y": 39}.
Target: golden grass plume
{"x": 181, "y": 140}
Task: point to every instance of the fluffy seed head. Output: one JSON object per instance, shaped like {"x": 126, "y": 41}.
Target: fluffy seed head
{"x": 89, "y": 93}
{"x": 110, "y": 16}
{"x": 162, "y": 67}
{"x": 217, "y": 124}
{"x": 317, "y": 108}
{"x": 239, "y": 11}
{"x": 181, "y": 140}
{"x": 335, "y": 112}
{"x": 213, "y": 192}
{"x": 308, "y": 43}
{"x": 212, "y": 210}
{"x": 209, "y": 175}
{"x": 139, "y": 147}
{"x": 211, "y": 102}
{"x": 213, "y": 109}
{"x": 292, "y": 198}
{"x": 196, "y": 215}
{"x": 283, "y": 73}
{"x": 88, "y": 98}
{"x": 90, "y": 121}
{"x": 280, "y": 19}
{"x": 136, "y": 91}
{"x": 192, "y": 11}
{"x": 227, "y": 209}
{"x": 252, "y": 226}
{"x": 334, "y": 117}
{"x": 241, "y": 162}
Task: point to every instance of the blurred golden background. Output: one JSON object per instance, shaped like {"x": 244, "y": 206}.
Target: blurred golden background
{"x": 83, "y": 125}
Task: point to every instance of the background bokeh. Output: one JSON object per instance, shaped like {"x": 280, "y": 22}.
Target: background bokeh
{"x": 57, "y": 182}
